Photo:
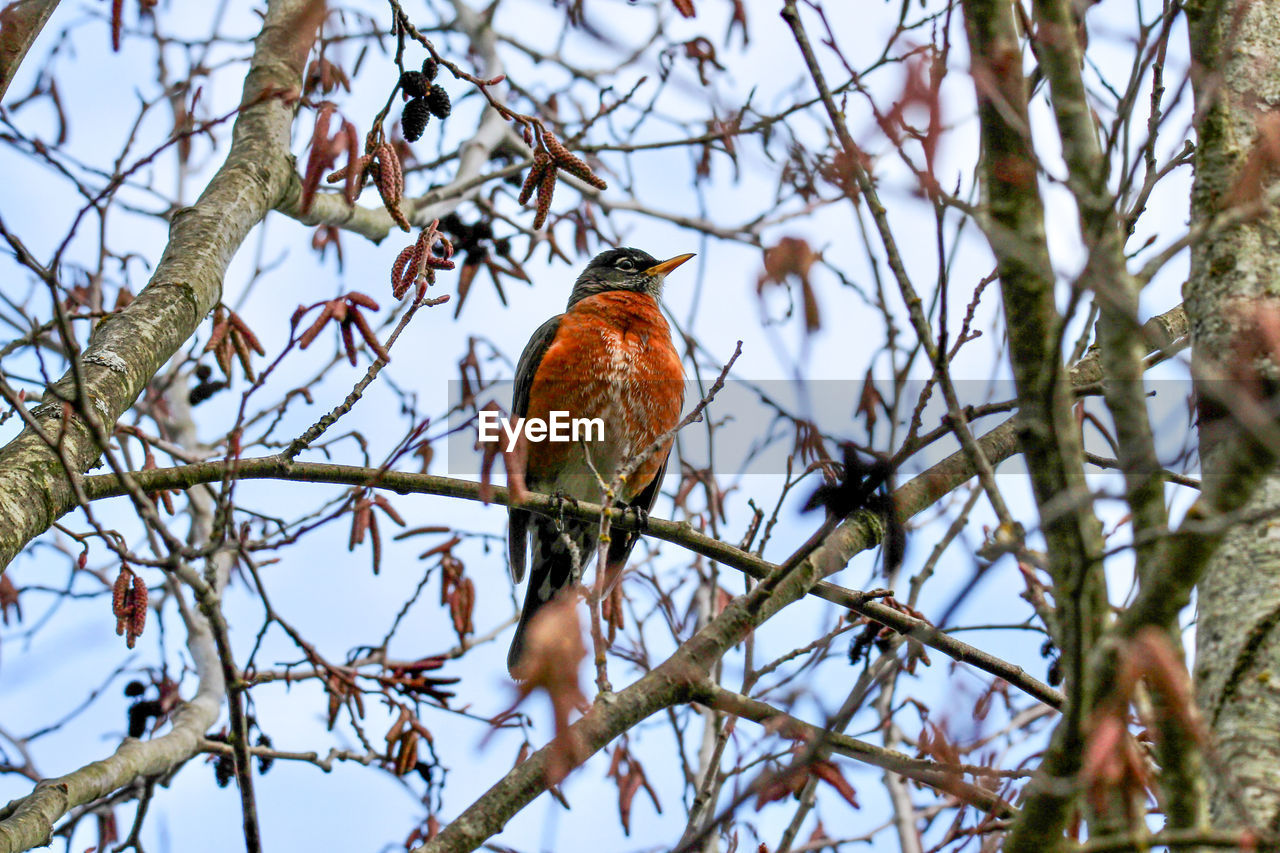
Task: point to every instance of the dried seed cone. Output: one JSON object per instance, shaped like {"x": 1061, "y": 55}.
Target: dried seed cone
{"x": 249, "y": 337}
{"x": 413, "y": 121}
{"x": 355, "y": 167}
{"x": 414, "y": 83}
{"x": 407, "y": 757}
{"x": 404, "y": 271}
{"x": 224, "y": 770}
{"x": 390, "y": 177}
{"x": 570, "y": 162}
{"x": 541, "y": 162}
{"x": 554, "y": 146}
{"x": 363, "y": 300}
{"x": 438, "y": 101}
{"x": 120, "y": 594}
{"x": 579, "y": 169}
{"x": 391, "y": 183}
{"x": 546, "y": 188}
{"x": 138, "y": 614}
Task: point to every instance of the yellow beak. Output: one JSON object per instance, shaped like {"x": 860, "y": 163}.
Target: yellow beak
{"x": 667, "y": 265}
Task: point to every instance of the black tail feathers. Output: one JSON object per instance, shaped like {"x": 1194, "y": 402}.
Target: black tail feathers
{"x": 557, "y": 560}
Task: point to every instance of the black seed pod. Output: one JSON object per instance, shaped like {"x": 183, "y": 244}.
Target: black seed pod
{"x": 204, "y": 391}
{"x": 414, "y": 119}
{"x": 139, "y": 714}
{"x": 264, "y": 761}
{"x": 429, "y": 68}
{"x": 438, "y": 101}
{"x": 414, "y": 83}
{"x": 223, "y": 769}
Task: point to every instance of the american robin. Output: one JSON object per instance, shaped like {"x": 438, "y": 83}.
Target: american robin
{"x": 609, "y": 356}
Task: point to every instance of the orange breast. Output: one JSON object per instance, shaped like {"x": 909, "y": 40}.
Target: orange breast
{"x": 612, "y": 359}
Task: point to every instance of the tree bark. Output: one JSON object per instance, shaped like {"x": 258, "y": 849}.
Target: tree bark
{"x": 1048, "y": 437}
{"x": 20, "y": 23}
{"x": 127, "y": 349}
{"x": 124, "y": 353}
{"x": 1236, "y": 81}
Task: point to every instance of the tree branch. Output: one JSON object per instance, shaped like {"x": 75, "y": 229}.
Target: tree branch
{"x": 20, "y": 23}
{"x": 128, "y": 348}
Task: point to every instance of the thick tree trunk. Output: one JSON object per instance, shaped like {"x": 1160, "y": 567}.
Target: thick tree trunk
{"x": 1233, "y": 275}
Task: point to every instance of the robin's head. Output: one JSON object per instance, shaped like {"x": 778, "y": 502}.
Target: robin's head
{"x": 624, "y": 269}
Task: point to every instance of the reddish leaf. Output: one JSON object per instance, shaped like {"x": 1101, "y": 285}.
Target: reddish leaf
{"x": 826, "y": 771}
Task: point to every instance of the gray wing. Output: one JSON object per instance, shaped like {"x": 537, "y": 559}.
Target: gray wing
{"x": 518, "y": 519}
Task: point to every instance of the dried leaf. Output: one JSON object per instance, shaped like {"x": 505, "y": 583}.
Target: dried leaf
{"x": 9, "y": 599}
{"x": 826, "y": 771}
{"x": 553, "y": 652}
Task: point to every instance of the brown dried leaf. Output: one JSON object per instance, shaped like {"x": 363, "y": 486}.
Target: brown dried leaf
{"x": 826, "y": 771}
{"x": 461, "y": 607}
{"x": 359, "y": 523}
{"x": 117, "y": 23}
{"x": 553, "y": 652}
{"x": 792, "y": 258}
{"x": 356, "y": 164}
{"x": 788, "y": 783}
{"x": 9, "y": 599}
{"x": 465, "y": 278}
{"x": 490, "y": 451}
{"x": 870, "y": 402}
{"x": 629, "y": 781}
{"x": 612, "y": 612}
{"x": 1153, "y": 658}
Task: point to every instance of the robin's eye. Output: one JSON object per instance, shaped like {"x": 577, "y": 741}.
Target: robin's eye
{"x": 626, "y": 264}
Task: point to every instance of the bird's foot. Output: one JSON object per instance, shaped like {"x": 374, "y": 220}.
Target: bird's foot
{"x": 561, "y": 500}
{"x": 642, "y": 516}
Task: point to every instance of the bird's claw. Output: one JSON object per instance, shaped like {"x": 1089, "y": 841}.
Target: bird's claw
{"x": 561, "y": 499}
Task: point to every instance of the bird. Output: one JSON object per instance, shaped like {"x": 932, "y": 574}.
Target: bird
{"x": 608, "y": 356}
